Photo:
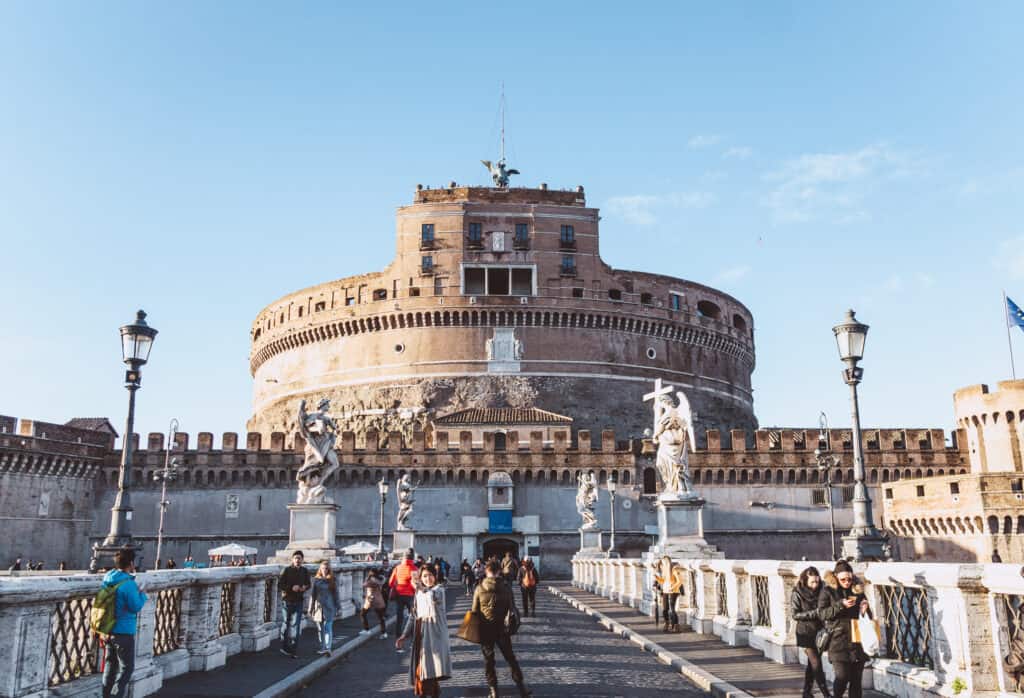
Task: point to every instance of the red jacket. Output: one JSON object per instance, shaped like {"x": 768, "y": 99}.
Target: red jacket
{"x": 401, "y": 578}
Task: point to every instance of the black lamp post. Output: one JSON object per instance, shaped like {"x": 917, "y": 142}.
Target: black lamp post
{"x": 382, "y": 487}
{"x": 864, "y": 541}
{"x": 136, "y": 342}
{"x": 613, "y": 481}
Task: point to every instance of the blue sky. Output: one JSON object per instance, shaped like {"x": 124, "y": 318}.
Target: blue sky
{"x": 200, "y": 160}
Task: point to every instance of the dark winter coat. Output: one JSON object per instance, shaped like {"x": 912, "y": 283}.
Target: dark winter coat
{"x": 804, "y": 605}
{"x": 839, "y": 618}
{"x": 492, "y": 601}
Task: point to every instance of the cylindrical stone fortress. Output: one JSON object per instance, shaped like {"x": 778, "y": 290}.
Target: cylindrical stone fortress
{"x": 499, "y": 298}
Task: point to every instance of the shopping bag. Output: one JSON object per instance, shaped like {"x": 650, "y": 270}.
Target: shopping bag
{"x": 865, "y": 631}
{"x": 470, "y": 628}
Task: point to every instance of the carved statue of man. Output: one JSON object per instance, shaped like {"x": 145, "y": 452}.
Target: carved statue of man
{"x": 586, "y": 498}
{"x": 673, "y": 433}
{"x": 320, "y": 432}
{"x": 405, "y": 502}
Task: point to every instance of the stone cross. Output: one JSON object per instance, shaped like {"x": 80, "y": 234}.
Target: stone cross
{"x": 659, "y": 390}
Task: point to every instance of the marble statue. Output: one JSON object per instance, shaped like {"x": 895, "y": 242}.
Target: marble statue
{"x": 320, "y": 432}
{"x": 586, "y": 498}
{"x": 673, "y": 433}
{"x": 405, "y": 502}
{"x": 499, "y": 172}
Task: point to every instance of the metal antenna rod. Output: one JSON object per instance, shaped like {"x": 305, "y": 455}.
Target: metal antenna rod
{"x": 502, "y": 121}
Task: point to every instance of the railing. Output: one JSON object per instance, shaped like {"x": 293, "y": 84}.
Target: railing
{"x": 192, "y": 621}
{"x": 941, "y": 624}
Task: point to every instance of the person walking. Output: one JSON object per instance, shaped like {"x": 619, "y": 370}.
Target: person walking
{"x": 403, "y": 590}
{"x": 669, "y": 576}
{"x": 323, "y": 606}
{"x": 466, "y": 576}
{"x": 16, "y": 567}
{"x": 492, "y": 601}
{"x": 292, "y": 583}
{"x": 119, "y": 645}
{"x": 373, "y": 599}
{"x": 430, "y": 661}
{"x": 840, "y": 602}
{"x": 804, "y": 602}
{"x": 528, "y": 581}
{"x": 478, "y": 573}
{"x": 508, "y": 567}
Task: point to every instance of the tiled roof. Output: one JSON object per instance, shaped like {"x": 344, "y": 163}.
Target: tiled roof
{"x": 91, "y": 423}
{"x": 503, "y": 416}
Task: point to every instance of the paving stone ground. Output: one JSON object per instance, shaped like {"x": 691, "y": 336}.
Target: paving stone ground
{"x": 744, "y": 667}
{"x": 562, "y": 652}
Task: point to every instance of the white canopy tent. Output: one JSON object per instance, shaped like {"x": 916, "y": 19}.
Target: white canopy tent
{"x": 360, "y": 548}
{"x": 232, "y": 550}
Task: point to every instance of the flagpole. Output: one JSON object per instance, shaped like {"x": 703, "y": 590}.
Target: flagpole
{"x": 1009, "y": 342}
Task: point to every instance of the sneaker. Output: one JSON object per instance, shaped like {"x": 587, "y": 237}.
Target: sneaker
{"x": 383, "y": 636}
{"x": 285, "y": 652}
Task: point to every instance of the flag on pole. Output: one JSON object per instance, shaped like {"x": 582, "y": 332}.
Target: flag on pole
{"x": 1014, "y": 313}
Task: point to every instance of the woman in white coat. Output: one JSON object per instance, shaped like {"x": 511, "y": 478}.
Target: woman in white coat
{"x": 430, "y": 661}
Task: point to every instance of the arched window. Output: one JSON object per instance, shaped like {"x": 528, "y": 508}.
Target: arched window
{"x": 500, "y": 441}
{"x": 708, "y": 309}
{"x": 650, "y": 481}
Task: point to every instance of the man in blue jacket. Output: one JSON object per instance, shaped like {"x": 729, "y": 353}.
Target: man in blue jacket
{"x": 120, "y": 645}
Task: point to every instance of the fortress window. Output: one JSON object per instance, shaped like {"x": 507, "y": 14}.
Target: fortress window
{"x": 350, "y": 301}
{"x": 438, "y": 286}
{"x": 427, "y": 236}
{"x": 888, "y": 493}
{"x": 380, "y": 294}
{"x": 920, "y": 490}
{"x": 650, "y": 481}
{"x": 646, "y": 299}
{"x": 300, "y": 310}
{"x": 567, "y": 237}
{"x": 708, "y": 309}
{"x": 522, "y": 282}
{"x": 577, "y": 293}
{"x": 413, "y": 292}
{"x": 427, "y": 264}
{"x": 568, "y": 265}
{"x": 675, "y": 301}
{"x": 500, "y": 441}
{"x": 739, "y": 323}
{"x": 475, "y": 283}
{"x": 954, "y": 488}
{"x": 615, "y": 294}
{"x": 320, "y": 307}
{"x": 497, "y": 281}
{"x": 522, "y": 238}
{"x": 476, "y": 234}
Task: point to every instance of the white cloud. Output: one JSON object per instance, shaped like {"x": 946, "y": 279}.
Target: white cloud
{"x": 730, "y": 275}
{"x": 995, "y": 183}
{"x": 832, "y": 186}
{"x": 1010, "y": 258}
{"x": 639, "y": 209}
{"x": 703, "y": 141}
{"x": 738, "y": 153}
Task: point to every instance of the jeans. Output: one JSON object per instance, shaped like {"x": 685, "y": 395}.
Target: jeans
{"x": 291, "y": 625}
{"x": 668, "y": 607}
{"x": 119, "y": 658}
{"x": 529, "y": 600}
{"x": 402, "y": 604}
{"x": 848, "y": 675}
{"x": 326, "y": 634}
{"x": 496, "y": 635}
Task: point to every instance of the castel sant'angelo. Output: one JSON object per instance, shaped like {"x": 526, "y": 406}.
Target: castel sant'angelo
{"x": 498, "y": 298}
{"x": 496, "y": 360}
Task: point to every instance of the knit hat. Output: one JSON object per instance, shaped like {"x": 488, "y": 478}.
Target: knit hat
{"x": 843, "y": 566}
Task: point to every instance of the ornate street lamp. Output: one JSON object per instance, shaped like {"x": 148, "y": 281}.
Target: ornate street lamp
{"x": 612, "y": 484}
{"x": 136, "y": 342}
{"x": 827, "y": 460}
{"x": 382, "y": 487}
{"x": 169, "y": 473}
{"x": 864, "y": 541}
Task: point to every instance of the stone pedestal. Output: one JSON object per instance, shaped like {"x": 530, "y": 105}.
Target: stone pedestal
{"x": 400, "y": 542}
{"x": 590, "y": 541}
{"x": 312, "y": 529}
{"x": 681, "y": 529}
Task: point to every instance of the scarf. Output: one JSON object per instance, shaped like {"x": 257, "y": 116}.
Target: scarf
{"x": 425, "y": 605}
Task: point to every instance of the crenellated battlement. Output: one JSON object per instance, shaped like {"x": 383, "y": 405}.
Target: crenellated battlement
{"x": 764, "y": 456}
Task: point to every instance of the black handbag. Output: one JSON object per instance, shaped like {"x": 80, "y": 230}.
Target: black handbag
{"x": 512, "y": 620}
{"x": 823, "y": 638}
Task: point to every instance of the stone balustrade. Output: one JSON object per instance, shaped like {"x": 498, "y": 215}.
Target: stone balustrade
{"x": 192, "y": 621}
{"x": 942, "y": 624}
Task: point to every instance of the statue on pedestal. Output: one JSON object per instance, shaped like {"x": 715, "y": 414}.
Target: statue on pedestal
{"x": 320, "y": 432}
{"x": 673, "y": 434}
{"x": 586, "y": 498}
{"x": 405, "y": 502}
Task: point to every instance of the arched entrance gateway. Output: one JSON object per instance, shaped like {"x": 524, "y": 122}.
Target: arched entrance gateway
{"x": 499, "y": 546}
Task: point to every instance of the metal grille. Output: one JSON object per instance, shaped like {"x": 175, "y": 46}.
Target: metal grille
{"x": 268, "y": 600}
{"x": 226, "y": 626}
{"x": 74, "y": 650}
{"x": 908, "y": 624}
{"x": 762, "y": 607}
{"x": 722, "y": 595}
{"x": 167, "y": 631}
{"x": 1013, "y": 606}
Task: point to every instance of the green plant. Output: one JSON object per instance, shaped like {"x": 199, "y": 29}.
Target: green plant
{"x": 959, "y": 686}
